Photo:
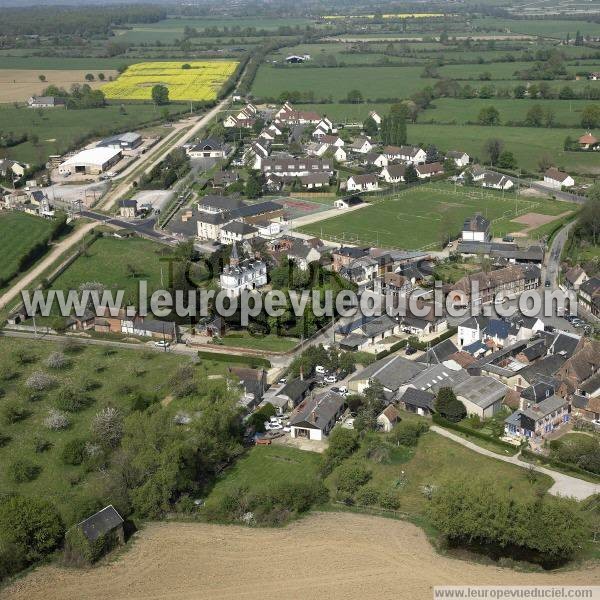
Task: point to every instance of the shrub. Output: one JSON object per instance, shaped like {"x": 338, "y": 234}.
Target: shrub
{"x": 342, "y": 444}
{"x": 13, "y": 412}
{"x": 367, "y": 496}
{"x": 350, "y": 476}
{"x": 56, "y": 420}
{"x": 40, "y": 381}
{"x": 23, "y": 470}
{"x": 57, "y": 360}
{"x": 107, "y": 427}
{"x": 25, "y": 357}
{"x": 73, "y": 452}
{"x": 71, "y": 400}
{"x": 4, "y": 439}
{"x": 41, "y": 444}
{"x": 8, "y": 373}
{"x": 389, "y": 500}
{"x": 407, "y": 433}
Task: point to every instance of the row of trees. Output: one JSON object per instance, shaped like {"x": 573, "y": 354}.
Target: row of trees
{"x": 540, "y": 116}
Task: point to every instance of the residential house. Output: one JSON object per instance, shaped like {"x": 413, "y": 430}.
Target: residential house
{"x": 537, "y": 420}
{"x": 393, "y": 286}
{"x": 362, "y": 272}
{"x": 580, "y": 368}
{"x": 297, "y": 58}
{"x": 314, "y": 181}
{"x": 296, "y": 167}
{"x": 12, "y": 168}
{"x": 476, "y": 229}
{"x": 418, "y": 401}
{"x": 315, "y": 417}
{"x": 557, "y": 180}
{"x": 429, "y": 170}
{"x": 589, "y": 295}
{"x": 210, "y": 148}
{"x": 441, "y": 352}
{"x": 346, "y": 256}
{"x": 222, "y": 179}
{"x": 362, "y": 183}
{"x": 461, "y": 159}
{"x": 256, "y": 153}
{"x": 361, "y": 145}
{"x": 412, "y": 155}
{"x": 254, "y": 382}
{"x": 575, "y": 276}
{"x": 393, "y": 173}
{"x": 287, "y": 396}
{"x": 388, "y": 417}
{"x": 237, "y": 231}
{"x": 240, "y": 275}
{"x": 496, "y": 181}
{"x": 482, "y": 396}
{"x": 589, "y": 142}
{"x": 367, "y": 331}
{"x": 374, "y": 159}
{"x": 303, "y": 252}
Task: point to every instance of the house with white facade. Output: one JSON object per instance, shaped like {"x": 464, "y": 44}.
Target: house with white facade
{"x": 461, "y": 159}
{"x": 393, "y": 173}
{"x": 210, "y": 148}
{"x": 240, "y": 275}
{"x": 557, "y": 180}
{"x": 361, "y": 145}
{"x": 315, "y": 416}
{"x": 476, "y": 229}
{"x": 362, "y": 183}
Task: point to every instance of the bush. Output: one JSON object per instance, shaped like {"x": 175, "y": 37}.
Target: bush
{"x": 257, "y": 419}
{"x": 407, "y": 433}
{"x": 23, "y": 470}
{"x": 8, "y": 373}
{"x": 107, "y": 427}
{"x": 57, "y": 360}
{"x": 71, "y": 399}
{"x": 350, "y": 476}
{"x": 56, "y": 420}
{"x": 40, "y": 381}
{"x": 13, "y": 412}
{"x": 41, "y": 444}
{"x": 73, "y": 452}
{"x": 4, "y": 439}
{"x": 367, "y": 496}
{"x": 342, "y": 444}
{"x": 389, "y": 500}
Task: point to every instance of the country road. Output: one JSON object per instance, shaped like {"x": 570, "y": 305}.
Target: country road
{"x": 165, "y": 148}
{"x": 45, "y": 263}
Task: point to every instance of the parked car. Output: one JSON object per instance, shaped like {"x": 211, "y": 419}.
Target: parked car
{"x": 343, "y": 390}
{"x": 410, "y": 350}
{"x": 320, "y": 370}
{"x": 162, "y": 344}
{"x": 330, "y": 379}
{"x": 283, "y": 380}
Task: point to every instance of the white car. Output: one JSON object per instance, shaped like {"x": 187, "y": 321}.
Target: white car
{"x": 320, "y": 370}
{"x": 162, "y": 344}
{"x": 343, "y": 390}
{"x": 287, "y": 429}
{"x": 274, "y": 419}
{"x": 273, "y": 426}
{"x": 330, "y": 379}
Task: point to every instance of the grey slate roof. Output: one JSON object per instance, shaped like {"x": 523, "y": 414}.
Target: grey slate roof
{"x": 544, "y": 408}
{"x": 240, "y": 228}
{"x": 101, "y": 523}
{"x": 440, "y": 352}
{"x": 317, "y": 411}
{"x": 418, "y": 398}
{"x": 391, "y": 371}
{"x": 544, "y": 369}
{"x": 482, "y": 391}
{"x": 438, "y": 376}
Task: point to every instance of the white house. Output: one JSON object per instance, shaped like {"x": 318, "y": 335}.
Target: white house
{"x": 362, "y": 183}
{"x": 237, "y": 231}
{"x": 12, "y": 167}
{"x": 461, "y": 159}
{"x": 375, "y": 116}
{"x": 476, "y": 229}
{"x": 242, "y": 275}
{"x": 376, "y": 159}
{"x": 393, "y": 173}
{"x": 209, "y": 148}
{"x": 348, "y": 202}
{"x": 339, "y": 153}
{"x": 412, "y": 154}
{"x": 557, "y": 179}
{"x": 256, "y": 153}
{"x": 361, "y": 145}
{"x": 316, "y": 416}
{"x": 429, "y": 170}
{"x": 471, "y": 330}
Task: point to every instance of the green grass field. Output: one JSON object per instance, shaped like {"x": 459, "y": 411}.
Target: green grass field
{"x": 60, "y": 130}
{"x": 528, "y": 144}
{"x": 19, "y": 232}
{"x": 380, "y": 82}
{"x": 116, "y": 374}
{"x": 264, "y": 465}
{"x": 111, "y": 262}
{"x": 268, "y": 343}
{"x": 423, "y": 216}
{"x": 448, "y": 110}
{"x": 554, "y": 28}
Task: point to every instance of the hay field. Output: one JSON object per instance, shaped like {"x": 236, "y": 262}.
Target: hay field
{"x": 328, "y": 555}
{"x": 201, "y": 81}
{"x": 17, "y": 85}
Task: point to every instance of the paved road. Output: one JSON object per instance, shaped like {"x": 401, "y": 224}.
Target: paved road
{"x": 558, "y": 194}
{"x": 40, "y": 267}
{"x": 564, "y": 485}
{"x": 552, "y": 268}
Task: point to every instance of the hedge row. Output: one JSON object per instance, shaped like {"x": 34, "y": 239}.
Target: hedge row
{"x": 440, "y": 338}
{"x": 252, "y": 361}
{"x": 439, "y": 420}
{"x": 559, "y": 464}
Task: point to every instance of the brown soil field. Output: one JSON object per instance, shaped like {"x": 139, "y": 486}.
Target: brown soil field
{"x": 327, "y": 556}
{"x": 534, "y": 220}
{"x": 17, "y": 85}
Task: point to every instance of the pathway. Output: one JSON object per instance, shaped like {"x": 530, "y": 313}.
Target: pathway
{"x": 564, "y": 485}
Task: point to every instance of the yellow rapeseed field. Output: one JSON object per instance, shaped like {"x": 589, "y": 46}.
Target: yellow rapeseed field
{"x": 201, "y": 81}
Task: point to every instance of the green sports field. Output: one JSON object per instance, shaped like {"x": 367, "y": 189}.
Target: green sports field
{"x": 421, "y": 217}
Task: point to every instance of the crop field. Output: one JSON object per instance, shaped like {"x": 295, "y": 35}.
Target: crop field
{"x": 56, "y": 63}
{"x": 380, "y": 82}
{"x": 17, "y": 85}
{"x": 59, "y": 130}
{"x": 466, "y": 111}
{"x": 19, "y": 232}
{"x": 554, "y": 28}
{"x": 423, "y": 216}
{"x": 200, "y": 82}
{"x": 528, "y": 144}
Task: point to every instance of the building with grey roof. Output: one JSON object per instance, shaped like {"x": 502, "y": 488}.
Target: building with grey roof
{"x": 539, "y": 419}
{"x": 482, "y": 396}
{"x": 316, "y": 416}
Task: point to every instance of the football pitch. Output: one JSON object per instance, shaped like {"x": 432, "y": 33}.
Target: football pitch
{"x": 421, "y": 218}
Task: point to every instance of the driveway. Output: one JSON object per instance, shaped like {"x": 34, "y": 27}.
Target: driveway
{"x": 564, "y": 485}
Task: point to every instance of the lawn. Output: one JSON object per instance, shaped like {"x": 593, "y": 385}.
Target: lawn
{"x": 118, "y": 264}
{"x": 61, "y": 130}
{"x": 268, "y": 343}
{"x": 201, "y": 81}
{"x": 373, "y": 82}
{"x": 422, "y": 217}
{"x": 526, "y": 143}
{"x": 19, "y": 232}
{"x": 114, "y": 375}
{"x": 436, "y": 461}
{"x": 452, "y": 110}
{"x": 263, "y": 466}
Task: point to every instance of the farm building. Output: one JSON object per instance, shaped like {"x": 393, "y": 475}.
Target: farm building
{"x": 124, "y": 141}
{"x": 91, "y": 162}
{"x": 45, "y": 102}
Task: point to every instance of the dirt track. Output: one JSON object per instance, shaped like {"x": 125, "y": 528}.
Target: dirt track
{"x": 326, "y": 556}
